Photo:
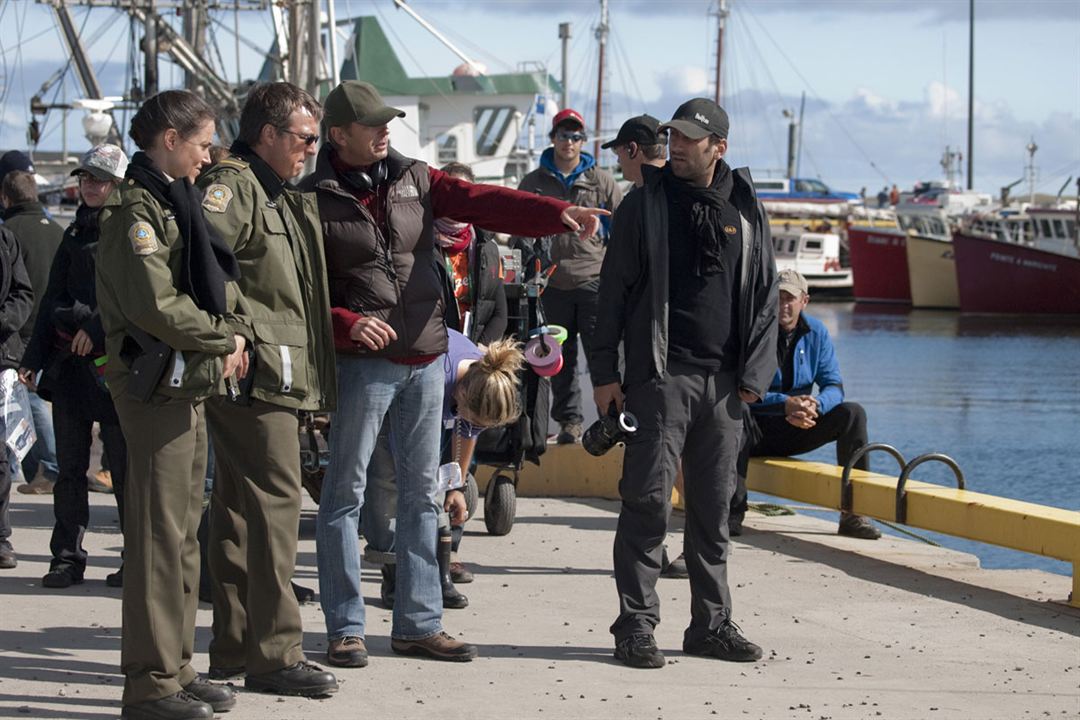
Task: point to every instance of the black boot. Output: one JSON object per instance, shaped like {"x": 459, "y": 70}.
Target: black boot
{"x": 451, "y": 598}
{"x": 389, "y": 582}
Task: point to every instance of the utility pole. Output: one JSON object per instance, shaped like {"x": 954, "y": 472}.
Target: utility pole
{"x": 564, "y": 36}
{"x": 722, "y": 13}
{"x": 971, "y": 92}
{"x": 150, "y": 50}
{"x": 792, "y": 142}
{"x": 601, "y": 37}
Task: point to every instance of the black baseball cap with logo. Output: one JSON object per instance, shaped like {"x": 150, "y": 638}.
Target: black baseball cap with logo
{"x": 699, "y": 118}
{"x": 642, "y": 129}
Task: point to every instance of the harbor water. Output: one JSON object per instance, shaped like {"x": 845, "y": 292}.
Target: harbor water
{"x": 1000, "y": 395}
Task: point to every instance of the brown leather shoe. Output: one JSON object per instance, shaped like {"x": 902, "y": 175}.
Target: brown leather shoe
{"x": 460, "y": 574}
{"x": 439, "y": 646}
{"x": 348, "y": 651}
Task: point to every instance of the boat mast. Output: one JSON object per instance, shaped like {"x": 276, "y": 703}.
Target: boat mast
{"x": 150, "y": 50}
{"x": 601, "y": 39}
{"x": 971, "y": 93}
{"x": 564, "y": 36}
{"x": 722, "y": 13}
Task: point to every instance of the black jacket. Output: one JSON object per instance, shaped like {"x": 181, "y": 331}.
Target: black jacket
{"x": 633, "y": 302}
{"x": 68, "y": 304}
{"x": 16, "y": 300}
{"x": 489, "y": 311}
{"x": 39, "y": 237}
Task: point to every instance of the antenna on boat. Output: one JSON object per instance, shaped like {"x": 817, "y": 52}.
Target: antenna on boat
{"x": 476, "y": 67}
{"x": 1031, "y": 170}
{"x": 564, "y": 36}
{"x": 722, "y": 13}
{"x": 971, "y": 93}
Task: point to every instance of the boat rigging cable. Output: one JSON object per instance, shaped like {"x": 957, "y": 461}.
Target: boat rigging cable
{"x": 816, "y": 96}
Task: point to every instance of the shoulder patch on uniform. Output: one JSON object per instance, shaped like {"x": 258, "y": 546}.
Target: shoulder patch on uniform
{"x": 217, "y": 198}
{"x": 143, "y": 239}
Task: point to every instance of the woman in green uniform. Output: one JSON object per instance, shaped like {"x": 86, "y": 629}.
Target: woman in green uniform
{"x": 166, "y": 291}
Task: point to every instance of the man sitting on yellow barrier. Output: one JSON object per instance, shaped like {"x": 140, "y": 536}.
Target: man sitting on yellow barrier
{"x": 790, "y": 419}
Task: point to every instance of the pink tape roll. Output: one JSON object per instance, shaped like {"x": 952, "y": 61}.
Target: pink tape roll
{"x": 542, "y": 351}
{"x": 551, "y": 370}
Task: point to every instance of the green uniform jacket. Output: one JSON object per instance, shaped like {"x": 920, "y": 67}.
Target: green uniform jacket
{"x": 138, "y": 273}
{"x": 274, "y": 231}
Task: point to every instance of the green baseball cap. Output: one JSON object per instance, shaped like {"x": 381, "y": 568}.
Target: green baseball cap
{"x": 359, "y": 102}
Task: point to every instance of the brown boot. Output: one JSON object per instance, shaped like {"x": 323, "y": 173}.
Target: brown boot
{"x": 439, "y": 646}
{"x": 857, "y": 526}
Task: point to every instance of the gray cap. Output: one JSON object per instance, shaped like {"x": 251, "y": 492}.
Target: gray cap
{"x": 359, "y": 102}
{"x": 792, "y": 282}
{"x": 105, "y": 162}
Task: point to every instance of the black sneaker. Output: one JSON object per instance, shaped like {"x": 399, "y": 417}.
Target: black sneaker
{"x": 724, "y": 643}
{"x": 674, "y": 568}
{"x": 116, "y": 579}
{"x": 734, "y": 524}
{"x": 639, "y": 651}
{"x": 302, "y": 594}
{"x": 61, "y": 577}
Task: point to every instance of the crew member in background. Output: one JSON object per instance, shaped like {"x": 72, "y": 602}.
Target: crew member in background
{"x": 39, "y": 237}
{"x": 638, "y": 143}
{"x": 68, "y": 348}
{"x": 273, "y": 230}
{"x": 689, "y": 287}
{"x": 378, "y": 209}
{"x": 569, "y": 173}
{"x": 791, "y": 420}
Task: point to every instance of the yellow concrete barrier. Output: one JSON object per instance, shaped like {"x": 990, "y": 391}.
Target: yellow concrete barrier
{"x": 568, "y": 471}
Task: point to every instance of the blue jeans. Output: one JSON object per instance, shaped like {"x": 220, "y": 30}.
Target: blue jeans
{"x": 409, "y": 398}
{"x": 43, "y": 451}
{"x": 377, "y": 517}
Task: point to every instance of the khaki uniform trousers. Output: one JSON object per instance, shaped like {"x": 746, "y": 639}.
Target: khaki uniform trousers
{"x": 254, "y": 520}
{"x": 162, "y": 505}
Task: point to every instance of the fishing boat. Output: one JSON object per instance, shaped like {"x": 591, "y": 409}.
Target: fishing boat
{"x": 813, "y": 249}
{"x": 1034, "y": 274}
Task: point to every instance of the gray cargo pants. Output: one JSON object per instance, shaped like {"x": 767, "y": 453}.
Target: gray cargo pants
{"x": 694, "y": 415}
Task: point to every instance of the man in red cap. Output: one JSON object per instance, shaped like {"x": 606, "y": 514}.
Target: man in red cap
{"x": 568, "y": 173}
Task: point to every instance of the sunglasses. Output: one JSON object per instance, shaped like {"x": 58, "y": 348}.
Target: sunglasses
{"x": 573, "y": 137}
{"x": 309, "y": 140}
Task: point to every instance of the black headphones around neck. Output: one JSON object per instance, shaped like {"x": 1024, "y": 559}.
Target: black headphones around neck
{"x": 365, "y": 182}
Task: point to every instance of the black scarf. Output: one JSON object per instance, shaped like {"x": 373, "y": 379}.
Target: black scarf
{"x": 705, "y": 206}
{"x": 85, "y": 227}
{"x": 207, "y": 263}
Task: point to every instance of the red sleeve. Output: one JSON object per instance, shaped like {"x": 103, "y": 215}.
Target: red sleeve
{"x": 496, "y": 208}
{"x": 342, "y": 320}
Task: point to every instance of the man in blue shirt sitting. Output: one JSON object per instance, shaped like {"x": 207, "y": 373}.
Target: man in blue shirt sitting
{"x": 790, "y": 419}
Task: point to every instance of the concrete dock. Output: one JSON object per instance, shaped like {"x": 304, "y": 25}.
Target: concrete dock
{"x": 850, "y": 629}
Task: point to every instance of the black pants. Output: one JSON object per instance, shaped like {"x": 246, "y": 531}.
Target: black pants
{"x": 5, "y": 495}
{"x": 693, "y": 415}
{"x": 575, "y": 310}
{"x": 774, "y": 436}
{"x": 73, "y": 421}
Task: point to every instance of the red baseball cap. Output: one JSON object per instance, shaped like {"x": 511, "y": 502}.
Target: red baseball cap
{"x": 569, "y": 114}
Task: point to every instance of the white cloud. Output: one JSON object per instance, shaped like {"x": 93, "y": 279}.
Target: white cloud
{"x": 684, "y": 80}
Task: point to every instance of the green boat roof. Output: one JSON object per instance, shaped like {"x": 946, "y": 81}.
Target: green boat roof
{"x": 374, "y": 60}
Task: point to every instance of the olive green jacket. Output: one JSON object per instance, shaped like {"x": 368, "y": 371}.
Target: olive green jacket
{"x": 274, "y": 231}
{"x": 138, "y": 273}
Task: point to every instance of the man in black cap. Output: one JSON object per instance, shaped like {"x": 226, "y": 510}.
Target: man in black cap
{"x": 378, "y": 209}
{"x": 638, "y": 143}
{"x": 689, "y": 287}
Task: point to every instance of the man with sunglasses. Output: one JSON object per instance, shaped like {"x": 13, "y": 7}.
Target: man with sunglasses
{"x": 273, "y": 229}
{"x": 569, "y": 173}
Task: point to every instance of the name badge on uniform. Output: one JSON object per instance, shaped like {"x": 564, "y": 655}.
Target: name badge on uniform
{"x": 143, "y": 239}
{"x": 730, "y": 229}
{"x": 217, "y": 198}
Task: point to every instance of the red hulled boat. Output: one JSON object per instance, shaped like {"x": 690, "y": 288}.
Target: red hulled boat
{"x": 879, "y": 264}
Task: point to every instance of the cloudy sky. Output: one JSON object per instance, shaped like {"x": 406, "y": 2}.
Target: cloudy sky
{"x": 885, "y": 80}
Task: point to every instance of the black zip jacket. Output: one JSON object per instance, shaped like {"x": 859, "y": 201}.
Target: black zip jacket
{"x": 633, "y": 302}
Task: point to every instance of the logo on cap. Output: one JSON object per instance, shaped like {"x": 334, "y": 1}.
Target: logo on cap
{"x": 701, "y": 118}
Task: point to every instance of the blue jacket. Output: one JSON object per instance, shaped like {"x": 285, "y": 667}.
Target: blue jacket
{"x": 814, "y": 364}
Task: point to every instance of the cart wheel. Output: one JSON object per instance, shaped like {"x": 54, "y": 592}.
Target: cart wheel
{"x": 500, "y": 504}
{"x": 472, "y": 495}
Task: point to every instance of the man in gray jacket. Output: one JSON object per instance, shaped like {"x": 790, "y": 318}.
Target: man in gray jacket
{"x": 689, "y": 286}
{"x": 568, "y": 173}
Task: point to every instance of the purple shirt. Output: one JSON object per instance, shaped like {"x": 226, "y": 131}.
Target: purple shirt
{"x": 458, "y": 348}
